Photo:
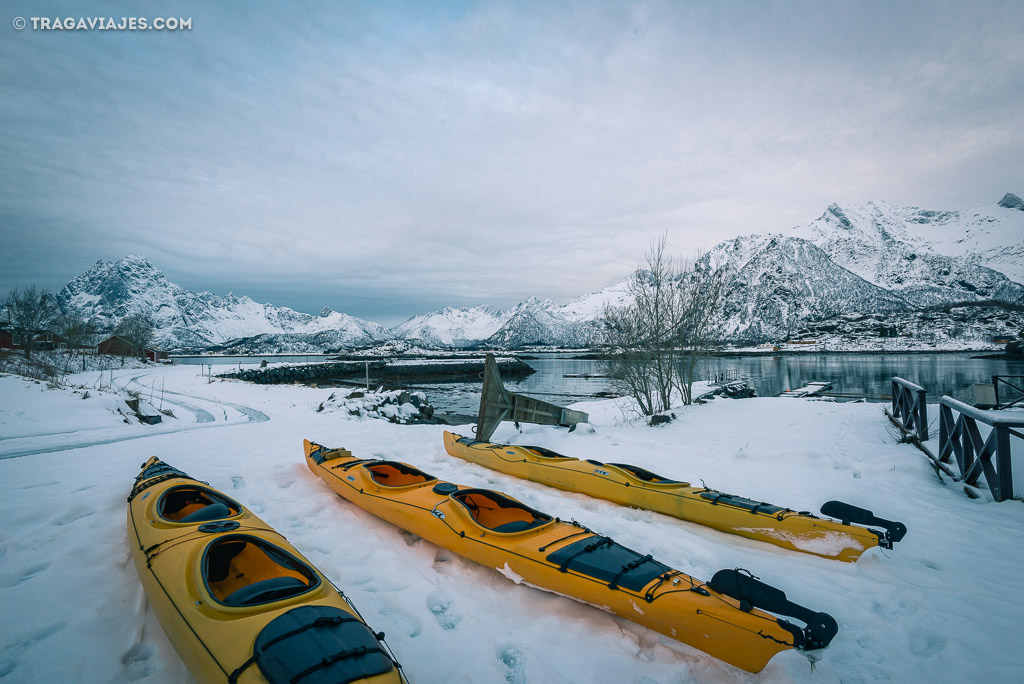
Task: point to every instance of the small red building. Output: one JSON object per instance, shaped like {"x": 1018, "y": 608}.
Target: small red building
{"x": 117, "y": 346}
{"x": 16, "y": 338}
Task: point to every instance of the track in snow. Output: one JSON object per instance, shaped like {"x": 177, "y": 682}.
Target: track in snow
{"x": 63, "y": 440}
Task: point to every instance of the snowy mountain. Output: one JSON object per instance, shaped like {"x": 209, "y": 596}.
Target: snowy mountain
{"x": 872, "y": 258}
{"x": 928, "y": 257}
{"x": 876, "y": 258}
{"x": 451, "y": 327}
{"x": 111, "y": 290}
{"x": 775, "y": 283}
{"x": 531, "y": 322}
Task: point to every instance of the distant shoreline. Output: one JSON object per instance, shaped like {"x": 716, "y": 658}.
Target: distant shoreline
{"x": 598, "y": 356}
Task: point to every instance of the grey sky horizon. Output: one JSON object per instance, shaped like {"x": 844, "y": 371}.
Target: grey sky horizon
{"x": 390, "y": 158}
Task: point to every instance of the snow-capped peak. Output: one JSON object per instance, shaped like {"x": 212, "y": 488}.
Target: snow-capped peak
{"x": 1011, "y": 201}
{"x": 109, "y": 291}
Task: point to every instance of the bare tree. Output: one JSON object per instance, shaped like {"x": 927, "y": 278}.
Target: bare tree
{"x": 137, "y": 330}
{"x": 640, "y": 334}
{"x": 73, "y": 326}
{"x": 702, "y": 285}
{"x": 656, "y": 340}
{"x": 29, "y": 312}
{"x": 76, "y": 329}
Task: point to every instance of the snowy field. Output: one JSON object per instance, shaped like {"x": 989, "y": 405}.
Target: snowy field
{"x": 943, "y": 606}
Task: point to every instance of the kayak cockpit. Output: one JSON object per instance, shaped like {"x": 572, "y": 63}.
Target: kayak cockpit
{"x": 395, "y": 474}
{"x": 548, "y": 454}
{"x": 191, "y": 503}
{"x": 241, "y": 570}
{"x": 647, "y": 476}
{"x": 499, "y": 513}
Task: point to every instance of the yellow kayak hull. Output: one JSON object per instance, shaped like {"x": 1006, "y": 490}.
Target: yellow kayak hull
{"x": 534, "y": 548}
{"x": 217, "y": 576}
{"x": 632, "y": 486}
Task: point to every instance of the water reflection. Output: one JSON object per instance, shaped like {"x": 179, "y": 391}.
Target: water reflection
{"x": 862, "y": 374}
{"x": 867, "y": 374}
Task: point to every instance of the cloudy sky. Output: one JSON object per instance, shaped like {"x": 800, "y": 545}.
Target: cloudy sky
{"x": 389, "y": 158}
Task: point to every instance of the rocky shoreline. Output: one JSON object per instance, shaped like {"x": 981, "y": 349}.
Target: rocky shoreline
{"x": 379, "y": 372}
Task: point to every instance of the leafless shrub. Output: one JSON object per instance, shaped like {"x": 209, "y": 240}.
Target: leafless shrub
{"x": 670, "y": 322}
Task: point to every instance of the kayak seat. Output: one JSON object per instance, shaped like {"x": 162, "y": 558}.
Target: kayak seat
{"x": 519, "y": 526}
{"x": 206, "y": 513}
{"x": 272, "y": 589}
{"x": 188, "y": 503}
{"x": 218, "y": 560}
{"x": 240, "y": 569}
{"x": 499, "y": 513}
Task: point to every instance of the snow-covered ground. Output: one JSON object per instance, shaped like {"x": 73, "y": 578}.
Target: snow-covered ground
{"x": 943, "y": 606}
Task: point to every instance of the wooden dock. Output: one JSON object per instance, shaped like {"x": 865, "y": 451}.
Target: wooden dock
{"x": 810, "y": 389}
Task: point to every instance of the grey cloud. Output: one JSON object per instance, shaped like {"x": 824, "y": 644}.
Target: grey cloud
{"x": 396, "y": 157}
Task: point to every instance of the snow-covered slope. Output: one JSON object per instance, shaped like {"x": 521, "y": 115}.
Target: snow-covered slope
{"x": 534, "y": 321}
{"x": 451, "y": 327}
{"x": 111, "y": 290}
{"x": 927, "y": 256}
{"x": 775, "y": 283}
{"x": 872, "y": 258}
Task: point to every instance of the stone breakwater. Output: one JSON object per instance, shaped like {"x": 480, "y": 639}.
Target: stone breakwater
{"x": 310, "y": 372}
{"x": 388, "y": 373}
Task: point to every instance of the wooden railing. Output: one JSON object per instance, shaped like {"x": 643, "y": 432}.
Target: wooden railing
{"x": 909, "y": 408}
{"x": 960, "y": 438}
{"x": 1013, "y": 390}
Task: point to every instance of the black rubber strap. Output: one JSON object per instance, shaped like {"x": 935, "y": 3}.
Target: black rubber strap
{"x": 331, "y": 659}
{"x": 574, "y": 534}
{"x": 605, "y": 541}
{"x": 633, "y": 565}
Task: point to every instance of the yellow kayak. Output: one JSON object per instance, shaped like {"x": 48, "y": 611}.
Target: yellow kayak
{"x": 731, "y": 617}
{"x": 633, "y": 486}
{"x": 236, "y": 600}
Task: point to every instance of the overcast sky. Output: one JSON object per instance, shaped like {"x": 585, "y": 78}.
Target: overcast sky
{"x": 389, "y": 158}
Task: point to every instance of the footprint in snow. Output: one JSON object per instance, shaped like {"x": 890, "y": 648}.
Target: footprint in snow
{"x": 443, "y": 561}
{"x": 440, "y": 605}
{"x": 27, "y": 639}
{"x": 40, "y": 484}
{"x": 284, "y": 480}
{"x": 409, "y": 538}
{"x": 900, "y": 609}
{"x": 407, "y": 624}
{"x": 74, "y": 514}
{"x": 25, "y": 575}
{"x": 871, "y": 649}
{"x": 515, "y": 665}
{"x": 136, "y": 661}
{"x": 927, "y": 645}
{"x": 237, "y": 481}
